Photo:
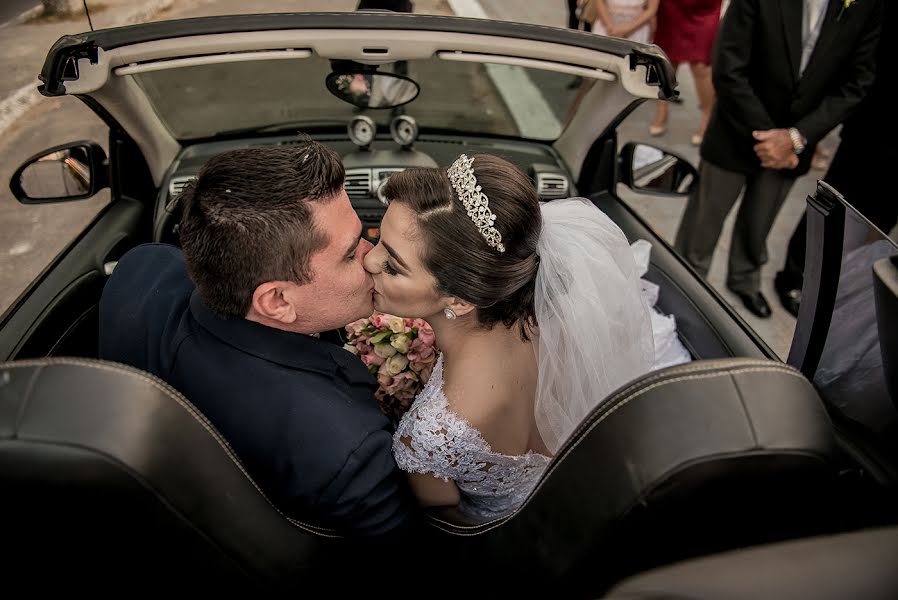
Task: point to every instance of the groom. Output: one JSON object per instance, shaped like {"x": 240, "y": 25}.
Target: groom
{"x": 272, "y": 254}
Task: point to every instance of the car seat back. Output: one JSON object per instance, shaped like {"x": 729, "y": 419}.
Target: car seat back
{"x": 852, "y": 565}
{"x": 107, "y": 474}
{"x": 688, "y": 460}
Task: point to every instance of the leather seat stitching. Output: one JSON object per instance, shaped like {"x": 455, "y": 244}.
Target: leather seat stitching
{"x": 484, "y": 527}
{"x": 189, "y": 408}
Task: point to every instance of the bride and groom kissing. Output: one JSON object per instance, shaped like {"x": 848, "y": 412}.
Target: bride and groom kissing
{"x": 538, "y": 310}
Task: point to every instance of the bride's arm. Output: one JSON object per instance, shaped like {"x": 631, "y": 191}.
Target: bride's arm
{"x": 433, "y": 491}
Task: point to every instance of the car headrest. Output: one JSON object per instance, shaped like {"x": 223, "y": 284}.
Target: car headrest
{"x": 105, "y": 465}
{"x": 690, "y": 459}
{"x": 852, "y": 565}
{"x": 885, "y": 293}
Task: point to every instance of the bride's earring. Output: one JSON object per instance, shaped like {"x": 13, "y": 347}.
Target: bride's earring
{"x": 450, "y": 314}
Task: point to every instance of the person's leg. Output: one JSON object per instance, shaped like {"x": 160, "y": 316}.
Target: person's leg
{"x": 705, "y": 90}
{"x": 708, "y": 205}
{"x": 572, "y": 20}
{"x": 659, "y": 125}
{"x": 765, "y": 193}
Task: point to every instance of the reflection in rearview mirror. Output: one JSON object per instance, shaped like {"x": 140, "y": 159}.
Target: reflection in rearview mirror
{"x": 370, "y": 89}
{"x": 61, "y": 174}
{"x": 655, "y": 170}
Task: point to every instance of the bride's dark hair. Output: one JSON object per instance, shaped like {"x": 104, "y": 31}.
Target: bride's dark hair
{"x": 499, "y": 284}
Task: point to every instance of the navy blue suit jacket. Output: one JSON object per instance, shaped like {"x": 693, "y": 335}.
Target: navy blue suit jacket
{"x": 299, "y": 412}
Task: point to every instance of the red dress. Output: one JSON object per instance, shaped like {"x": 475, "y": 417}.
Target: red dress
{"x": 686, "y": 29}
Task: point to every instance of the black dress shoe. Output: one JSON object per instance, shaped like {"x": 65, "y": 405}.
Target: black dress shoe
{"x": 790, "y": 298}
{"x": 755, "y": 303}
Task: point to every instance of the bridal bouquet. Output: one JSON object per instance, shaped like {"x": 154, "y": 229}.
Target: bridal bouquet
{"x": 399, "y": 352}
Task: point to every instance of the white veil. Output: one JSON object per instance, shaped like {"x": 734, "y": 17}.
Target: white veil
{"x": 595, "y": 328}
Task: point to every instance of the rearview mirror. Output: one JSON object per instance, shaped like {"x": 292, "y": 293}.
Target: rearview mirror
{"x": 650, "y": 170}
{"x": 371, "y": 89}
{"x": 72, "y": 171}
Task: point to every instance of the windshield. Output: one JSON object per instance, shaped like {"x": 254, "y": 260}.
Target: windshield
{"x": 490, "y": 99}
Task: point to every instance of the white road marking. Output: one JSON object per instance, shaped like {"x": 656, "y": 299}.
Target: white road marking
{"x": 523, "y": 98}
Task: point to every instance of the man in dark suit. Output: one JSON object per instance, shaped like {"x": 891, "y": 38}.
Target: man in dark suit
{"x": 785, "y": 72}
{"x": 272, "y": 254}
{"x": 867, "y": 151}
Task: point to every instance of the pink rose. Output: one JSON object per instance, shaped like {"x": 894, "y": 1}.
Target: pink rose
{"x": 425, "y": 334}
{"x": 351, "y": 348}
{"x": 372, "y": 359}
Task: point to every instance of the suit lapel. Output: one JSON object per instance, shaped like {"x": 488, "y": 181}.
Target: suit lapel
{"x": 791, "y": 12}
{"x": 828, "y": 32}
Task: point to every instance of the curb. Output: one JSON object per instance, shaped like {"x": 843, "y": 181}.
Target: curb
{"x": 17, "y": 104}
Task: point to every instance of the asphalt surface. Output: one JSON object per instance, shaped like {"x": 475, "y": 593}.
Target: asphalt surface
{"x": 11, "y": 9}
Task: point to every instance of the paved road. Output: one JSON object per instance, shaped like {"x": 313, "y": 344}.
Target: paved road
{"x": 10, "y": 9}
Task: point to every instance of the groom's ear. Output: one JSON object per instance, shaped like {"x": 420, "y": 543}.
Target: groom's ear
{"x": 271, "y": 300}
{"x": 460, "y": 307}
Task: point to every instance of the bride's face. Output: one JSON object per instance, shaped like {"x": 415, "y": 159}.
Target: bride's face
{"x": 402, "y": 285}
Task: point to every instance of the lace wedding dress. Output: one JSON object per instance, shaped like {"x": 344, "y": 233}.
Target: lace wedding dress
{"x": 598, "y": 329}
{"x": 442, "y": 443}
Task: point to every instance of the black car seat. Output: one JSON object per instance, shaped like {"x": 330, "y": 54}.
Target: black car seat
{"x": 685, "y": 461}
{"x": 106, "y": 473}
{"x": 860, "y": 564}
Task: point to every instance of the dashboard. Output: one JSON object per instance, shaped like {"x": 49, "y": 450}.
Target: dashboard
{"x": 369, "y": 157}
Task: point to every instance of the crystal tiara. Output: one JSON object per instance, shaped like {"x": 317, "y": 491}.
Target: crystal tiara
{"x": 461, "y": 176}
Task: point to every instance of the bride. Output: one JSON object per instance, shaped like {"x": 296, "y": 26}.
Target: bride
{"x": 538, "y": 310}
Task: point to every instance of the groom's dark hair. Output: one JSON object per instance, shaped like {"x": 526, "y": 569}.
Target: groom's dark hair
{"x": 499, "y": 284}
{"x": 247, "y": 219}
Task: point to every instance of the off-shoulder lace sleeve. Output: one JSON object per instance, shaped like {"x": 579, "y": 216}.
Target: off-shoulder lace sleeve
{"x": 433, "y": 439}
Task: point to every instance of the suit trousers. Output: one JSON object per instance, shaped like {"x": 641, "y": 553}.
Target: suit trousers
{"x": 709, "y": 204}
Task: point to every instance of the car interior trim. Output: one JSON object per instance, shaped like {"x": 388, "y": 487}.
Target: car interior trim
{"x": 212, "y": 59}
{"x": 528, "y": 62}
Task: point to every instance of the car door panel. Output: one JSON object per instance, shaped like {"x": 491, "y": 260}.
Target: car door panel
{"x": 58, "y": 313}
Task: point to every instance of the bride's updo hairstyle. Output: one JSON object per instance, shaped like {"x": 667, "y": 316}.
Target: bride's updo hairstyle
{"x": 490, "y": 263}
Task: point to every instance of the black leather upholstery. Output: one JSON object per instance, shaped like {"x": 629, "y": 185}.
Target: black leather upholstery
{"x": 108, "y": 472}
{"x": 688, "y": 460}
{"x": 858, "y": 565}
{"x": 885, "y": 293}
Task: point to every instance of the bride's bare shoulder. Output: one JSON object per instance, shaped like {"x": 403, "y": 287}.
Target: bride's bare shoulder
{"x": 486, "y": 389}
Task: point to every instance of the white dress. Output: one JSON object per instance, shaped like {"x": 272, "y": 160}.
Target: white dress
{"x": 623, "y": 12}
{"x": 444, "y": 444}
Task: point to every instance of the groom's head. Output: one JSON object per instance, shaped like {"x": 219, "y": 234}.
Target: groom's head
{"x": 269, "y": 234}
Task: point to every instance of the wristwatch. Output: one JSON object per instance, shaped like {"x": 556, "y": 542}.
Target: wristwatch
{"x": 798, "y": 141}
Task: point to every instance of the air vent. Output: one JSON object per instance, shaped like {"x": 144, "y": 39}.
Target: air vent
{"x": 552, "y": 185}
{"x": 176, "y": 185}
{"x": 358, "y": 183}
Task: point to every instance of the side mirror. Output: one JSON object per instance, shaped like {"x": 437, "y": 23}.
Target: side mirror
{"x": 650, "y": 170}
{"x": 73, "y": 171}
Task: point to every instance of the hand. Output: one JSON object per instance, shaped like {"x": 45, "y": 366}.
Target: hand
{"x": 774, "y": 149}
{"x": 616, "y": 31}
